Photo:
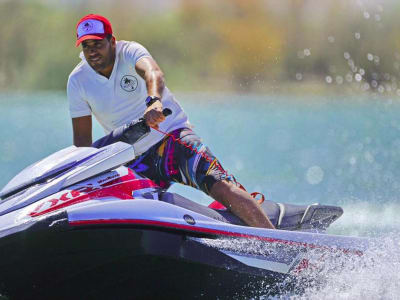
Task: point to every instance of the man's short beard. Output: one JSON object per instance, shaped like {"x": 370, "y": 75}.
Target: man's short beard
{"x": 107, "y": 62}
{"x": 99, "y": 68}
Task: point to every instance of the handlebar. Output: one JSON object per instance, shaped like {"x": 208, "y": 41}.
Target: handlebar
{"x": 166, "y": 112}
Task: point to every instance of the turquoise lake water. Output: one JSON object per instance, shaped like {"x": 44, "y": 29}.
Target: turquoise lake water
{"x": 322, "y": 149}
{"x": 331, "y": 150}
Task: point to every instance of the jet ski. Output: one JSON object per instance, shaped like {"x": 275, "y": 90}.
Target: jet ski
{"x": 79, "y": 224}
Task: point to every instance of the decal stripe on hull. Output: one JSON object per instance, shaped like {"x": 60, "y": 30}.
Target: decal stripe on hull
{"x": 207, "y": 231}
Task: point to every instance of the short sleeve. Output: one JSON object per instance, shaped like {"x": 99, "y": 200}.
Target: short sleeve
{"x": 135, "y": 52}
{"x": 78, "y": 107}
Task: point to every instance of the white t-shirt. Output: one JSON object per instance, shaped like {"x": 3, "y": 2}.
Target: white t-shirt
{"x": 121, "y": 98}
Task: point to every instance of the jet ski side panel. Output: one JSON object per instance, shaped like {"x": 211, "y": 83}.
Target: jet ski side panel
{"x": 159, "y": 214}
{"x": 118, "y": 262}
{"x": 122, "y": 245}
{"x": 114, "y": 244}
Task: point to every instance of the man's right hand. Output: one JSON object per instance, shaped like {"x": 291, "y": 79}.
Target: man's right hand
{"x": 154, "y": 114}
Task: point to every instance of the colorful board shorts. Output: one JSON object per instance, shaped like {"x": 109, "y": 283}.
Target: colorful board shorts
{"x": 169, "y": 161}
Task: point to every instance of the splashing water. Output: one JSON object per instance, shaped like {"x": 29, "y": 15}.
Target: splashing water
{"x": 374, "y": 275}
{"x": 331, "y": 275}
{"x": 362, "y": 218}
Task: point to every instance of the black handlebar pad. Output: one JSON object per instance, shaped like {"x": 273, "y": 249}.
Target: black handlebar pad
{"x": 166, "y": 112}
{"x": 129, "y": 133}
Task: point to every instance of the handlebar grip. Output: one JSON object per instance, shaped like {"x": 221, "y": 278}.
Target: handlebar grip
{"x": 166, "y": 112}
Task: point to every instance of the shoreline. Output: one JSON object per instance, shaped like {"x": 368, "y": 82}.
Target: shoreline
{"x": 301, "y": 90}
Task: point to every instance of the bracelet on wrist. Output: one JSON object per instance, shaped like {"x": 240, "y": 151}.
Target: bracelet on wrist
{"x": 151, "y": 99}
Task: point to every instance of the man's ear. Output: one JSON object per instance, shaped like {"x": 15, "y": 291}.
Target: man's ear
{"x": 113, "y": 40}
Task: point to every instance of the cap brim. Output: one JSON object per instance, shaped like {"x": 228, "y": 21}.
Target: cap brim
{"x": 90, "y": 37}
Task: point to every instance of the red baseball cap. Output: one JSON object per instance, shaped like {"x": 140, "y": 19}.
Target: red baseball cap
{"x": 92, "y": 27}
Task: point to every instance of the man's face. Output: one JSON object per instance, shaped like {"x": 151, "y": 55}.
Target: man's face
{"x": 100, "y": 54}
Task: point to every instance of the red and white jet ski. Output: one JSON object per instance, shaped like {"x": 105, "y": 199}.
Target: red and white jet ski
{"x": 80, "y": 225}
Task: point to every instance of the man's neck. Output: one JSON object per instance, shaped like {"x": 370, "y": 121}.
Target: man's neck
{"x": 106, "y": 72}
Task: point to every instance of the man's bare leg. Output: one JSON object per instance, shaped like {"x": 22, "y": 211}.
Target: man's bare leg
{"x": 241, "y": 203}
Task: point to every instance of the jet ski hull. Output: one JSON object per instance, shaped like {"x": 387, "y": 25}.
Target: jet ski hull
{"x": 119, "y": 262}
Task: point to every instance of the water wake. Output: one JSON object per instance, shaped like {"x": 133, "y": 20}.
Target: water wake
{"x": 330, "y": 274}
{"x": 363, "y": 218}
{"x": 374, "y": 275}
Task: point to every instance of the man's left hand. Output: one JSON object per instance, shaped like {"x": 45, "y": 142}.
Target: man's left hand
{"x": 154, "y": 115}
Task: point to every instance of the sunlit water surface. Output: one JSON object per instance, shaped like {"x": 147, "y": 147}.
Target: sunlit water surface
{"x": 331, "y": 150}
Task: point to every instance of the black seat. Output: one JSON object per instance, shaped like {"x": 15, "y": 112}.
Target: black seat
{"x": 283, "y": 216}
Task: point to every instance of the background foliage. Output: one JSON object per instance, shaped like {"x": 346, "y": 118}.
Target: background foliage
{"x": 214, "y": 45}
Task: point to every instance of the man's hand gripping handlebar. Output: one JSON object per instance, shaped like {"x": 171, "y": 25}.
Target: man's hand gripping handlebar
{"x": 129, "y": 133}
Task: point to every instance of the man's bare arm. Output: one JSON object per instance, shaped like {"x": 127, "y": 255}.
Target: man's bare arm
{"x": 149, "y": 70}
{"x": 82, "y": 131}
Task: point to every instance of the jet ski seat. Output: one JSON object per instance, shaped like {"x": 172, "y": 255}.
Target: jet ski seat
{"x": 283, "y": 216}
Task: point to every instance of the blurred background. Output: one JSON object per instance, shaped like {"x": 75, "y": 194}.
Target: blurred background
{"x": 298, "y": 98}
{"x": 228, "y": 45}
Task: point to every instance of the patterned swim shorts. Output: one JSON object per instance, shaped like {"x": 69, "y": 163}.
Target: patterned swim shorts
{"x": 170, "y": 161}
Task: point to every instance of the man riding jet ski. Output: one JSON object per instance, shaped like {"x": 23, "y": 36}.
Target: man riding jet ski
{"x": 111, "y": 83}
{"x": 79, "y": 224}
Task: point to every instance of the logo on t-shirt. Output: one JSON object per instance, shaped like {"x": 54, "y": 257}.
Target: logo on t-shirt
{"x": 129, "y": 83}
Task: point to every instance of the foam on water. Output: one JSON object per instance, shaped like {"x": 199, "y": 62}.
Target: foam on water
{"x": 332, "y": 275}
{"x": 374, "y": 275}
{"x": 362, "y": 218}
